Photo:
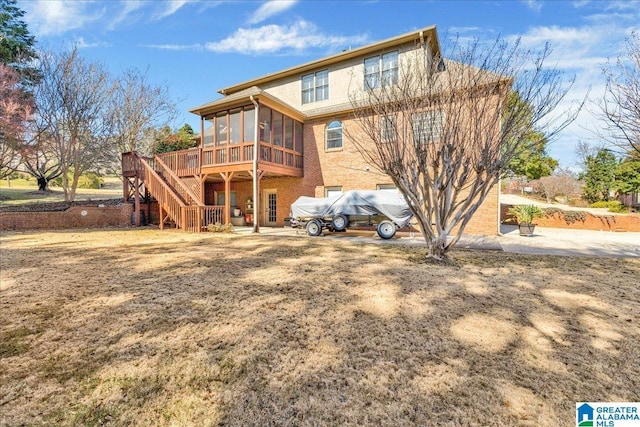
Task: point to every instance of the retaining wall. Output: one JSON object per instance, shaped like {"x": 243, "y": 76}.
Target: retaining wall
{"x": 582, "y": 220}
{"x": 74, "y": 217}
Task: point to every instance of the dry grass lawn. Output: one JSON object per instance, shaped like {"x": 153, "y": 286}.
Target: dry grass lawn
{"x": 150, "y": 328}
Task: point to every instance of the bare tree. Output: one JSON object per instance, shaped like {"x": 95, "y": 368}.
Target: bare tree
{"x": 16, "y": 108}
{"x": 73, "y": 100}
{"x": 561, "y": 183}
{"x": 620, "y": 107}
{"x": 444, "y": 130}
{"x": 39, "y": 160}
{"x": 137, "y": 107}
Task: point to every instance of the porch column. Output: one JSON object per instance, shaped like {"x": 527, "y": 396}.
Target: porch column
{"x": 256, "y": 199}
{"x": 126, "y": 187}
{"x": 137, "y": 201}
{"x": 227, "y": 176}
{"x": 203, "y": 179}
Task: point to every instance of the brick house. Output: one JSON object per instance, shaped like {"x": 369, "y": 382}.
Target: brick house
{"x": 298, "y": 115}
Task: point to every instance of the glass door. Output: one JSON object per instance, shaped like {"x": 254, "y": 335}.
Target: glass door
{"x": 270, "y": 207}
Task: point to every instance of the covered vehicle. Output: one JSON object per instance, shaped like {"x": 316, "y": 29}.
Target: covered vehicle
{"x": 386, "y": 209}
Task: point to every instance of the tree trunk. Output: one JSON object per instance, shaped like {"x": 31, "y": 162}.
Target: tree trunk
{"x": 437, "y": 247}
{"x": 43, "y": 184}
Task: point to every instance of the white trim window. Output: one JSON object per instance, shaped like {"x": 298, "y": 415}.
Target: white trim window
{"x": 428, "y": 126}
{"x": 315, "y": 87}
{"x": 388, "y": 128}
{"x": 332, "y": 191}
{"x": 333, "y": 136}
{"x": 389, "y": 188}
{"x": 381, "y": 70}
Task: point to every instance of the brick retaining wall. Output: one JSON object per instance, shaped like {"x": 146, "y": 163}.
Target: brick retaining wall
{"x": 74, "y": 217}
{"x": 581, "y": 220}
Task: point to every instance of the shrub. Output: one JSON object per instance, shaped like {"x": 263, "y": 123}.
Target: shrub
{"x": 525, "y": 214}
{"x": 88, "y": 180}
{"x": 612, "y": 205}
{"x": 574, "y": 216}
{"x": 219, "y": 228}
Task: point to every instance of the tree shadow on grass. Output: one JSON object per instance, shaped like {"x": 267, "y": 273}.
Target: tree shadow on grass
{"x": 235, "y": 331}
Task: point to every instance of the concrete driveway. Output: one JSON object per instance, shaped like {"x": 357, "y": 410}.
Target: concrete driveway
{"x": 562, "y": 241}
{"x": 550, "y": 241}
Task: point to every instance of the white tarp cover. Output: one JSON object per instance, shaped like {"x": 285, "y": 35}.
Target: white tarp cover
{"x": 356, "y": 202}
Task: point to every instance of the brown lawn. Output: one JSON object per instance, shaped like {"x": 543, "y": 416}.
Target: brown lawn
{"x": 142, "y": 327}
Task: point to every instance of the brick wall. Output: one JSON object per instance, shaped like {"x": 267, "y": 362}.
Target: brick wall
{"x": 74, "y": 217}
{"x": 343, "y": 168}
{"x": 587, "y": 221}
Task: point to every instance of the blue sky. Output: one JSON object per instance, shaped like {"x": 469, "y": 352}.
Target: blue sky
{"x": 197, "y": 47}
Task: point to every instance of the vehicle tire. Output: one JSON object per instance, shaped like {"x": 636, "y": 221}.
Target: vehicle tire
{"x": 314, "y": 228}
{"x": 386, "y": 229}
{"x": 340, "y": 222}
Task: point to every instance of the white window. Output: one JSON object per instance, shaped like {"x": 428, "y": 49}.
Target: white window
{"x": 334, "y": 135}
{"x": 427, "y": 126}
{"x": 388, "y": 128}
{"x": 315, "y": 87}
{"x": 389, "y": 188}
{"x": 390, "y": 69}
{"x": 381, "y": 70}
{"x": 372, "y": 72}
{"x": 332, "y": 191}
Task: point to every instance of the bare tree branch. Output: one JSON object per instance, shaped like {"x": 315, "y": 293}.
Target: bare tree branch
{"x": 620, "y": 108}
{"x": 137, "y": 107}
{"x": 445, "y": 129}
{"x": 73, "y": 112}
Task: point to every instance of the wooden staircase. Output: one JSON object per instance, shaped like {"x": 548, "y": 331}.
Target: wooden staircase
{"x": 178, "y": 200}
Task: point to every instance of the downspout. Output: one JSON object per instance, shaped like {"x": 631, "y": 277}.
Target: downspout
{"x": 256, "y": 142}
{"x": 500, "y": 177}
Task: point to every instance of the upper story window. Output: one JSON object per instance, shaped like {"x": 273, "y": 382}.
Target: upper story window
{"x": 334, "y": 135}
{"x": 315, "y": 87}
{"x": 381, "y": 70}
{"x": 221, "y": 128}
{"x": 427, "y": 126}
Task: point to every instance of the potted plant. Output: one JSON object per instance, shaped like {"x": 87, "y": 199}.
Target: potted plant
{"x": 524, "y": 215}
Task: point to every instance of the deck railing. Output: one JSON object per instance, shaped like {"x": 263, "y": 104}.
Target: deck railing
{"x": 189, "y": 162}
{"x": 199, "y": 217}
{"x": 187, "y": 195}
{"x": 167, "y": 199}
{"x": 183, "y": 162}
{"x": 193, "y": 218}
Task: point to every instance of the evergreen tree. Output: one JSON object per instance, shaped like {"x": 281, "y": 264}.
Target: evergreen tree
{"x": 16, "y": 43}
{"x": 532, "y": 159}
{"x": 183, "y": 139}
{"x": 599, "y": 176}
{"x": 628, "y": 177}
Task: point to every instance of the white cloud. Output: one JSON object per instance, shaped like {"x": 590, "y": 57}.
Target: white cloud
{"x": 534, "y": 5}
{"x": 580, "y": 51}
{"x": 269, "y": 9}
{"x": 56, "y": 17}
{"x": 81, "y": 43}
{"x": 176, "y": 47}
{"x": 53, "y": 17}
{"x": 169, "y": 8}
{"x": 130, "y": 6}
{"x": 572, "y": 48}
{"x": 275, "y": 38}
